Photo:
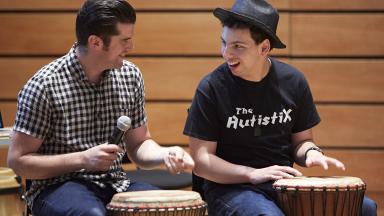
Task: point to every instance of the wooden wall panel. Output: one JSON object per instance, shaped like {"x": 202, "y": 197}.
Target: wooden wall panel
{"x": 196, "y": 4}
{"x": 186, "y": 34}
{"x": 341, "y": 126}
{"x": 180, "y": 5}
{"x": 347, "y": 34}
{"x": 361, "y": 163}
{"x": 346, "y": 125}
{"x": 8, "y": 112}
{"x": 175, "y": 78}
{"x": 178, "y": 42}
{"x": 36, "y": 34}
{"x": 9, "y": 5}
{"x": 137, "y": 4}
{"x": 166, "y": 122}
{"x": 339, "y": 5}
{"x": 165, "y": 78}
{"x": 17, "y": 72}
{"x": 183, "y": 34}
{"x": 344, "y": 80}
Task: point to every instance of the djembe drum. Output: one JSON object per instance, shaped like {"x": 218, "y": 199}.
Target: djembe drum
{"x": 303, "y": 196}
{"x": 10, "y": 193}
{"x": 157, "y": 202}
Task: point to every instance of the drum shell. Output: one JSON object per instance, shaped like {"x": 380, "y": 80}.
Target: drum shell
{"x": 303, "y": 203}
{"x": 11, "y": 203}
{"x": 325, "y": 196}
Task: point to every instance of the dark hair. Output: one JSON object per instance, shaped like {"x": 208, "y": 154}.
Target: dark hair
{"x": 257, "y": 34}
{"x": 100, "y": 17}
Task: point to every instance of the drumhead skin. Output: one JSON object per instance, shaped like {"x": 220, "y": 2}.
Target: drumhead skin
{"x": 9, "y": 185}
{"x": 320, "y": 183}
{"x": 8, "y": 182}
{"x": 156, "y": 199}
{"x": 4, "y": 171}
{"x": 10, "y": 192}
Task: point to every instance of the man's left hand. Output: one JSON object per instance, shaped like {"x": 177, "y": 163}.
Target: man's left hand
{"x": 177, "y": 160}
{"x": 315, "y": 158}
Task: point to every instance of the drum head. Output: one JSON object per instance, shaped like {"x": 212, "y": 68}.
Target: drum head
{"x": 4, "y": 171}
{"x": 8, "y": 184}
{"x": 320, "y": 183}
{"x": 156, "y": 199}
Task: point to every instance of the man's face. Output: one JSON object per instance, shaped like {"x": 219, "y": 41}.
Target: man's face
{"x": 240, "y": 51}
{"x": 119, "y": 46}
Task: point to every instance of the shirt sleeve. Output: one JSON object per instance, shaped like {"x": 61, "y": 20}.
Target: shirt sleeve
{"x": 33, "y": 115}
{"x": 139, "y": 116}
{"x": 307, "y": 115}
{"x": 202, "y": 120}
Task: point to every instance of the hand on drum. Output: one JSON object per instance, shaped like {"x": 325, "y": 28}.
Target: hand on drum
{"x": 177, "y": 160}
{"x": 315, "y": 158}
{"x": 272, "y": 173}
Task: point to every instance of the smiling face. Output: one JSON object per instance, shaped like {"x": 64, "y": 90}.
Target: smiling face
{"x": 120, "y": 45}
{"x": 241, "y": 53}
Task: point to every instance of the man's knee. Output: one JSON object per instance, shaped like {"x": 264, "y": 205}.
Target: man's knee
{"x": 369, "y": 207}
{"x": 94, "y": 212}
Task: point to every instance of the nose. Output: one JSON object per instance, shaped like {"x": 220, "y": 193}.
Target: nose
{"x": 129, "y": 46}
{"x": 225, "y": 52}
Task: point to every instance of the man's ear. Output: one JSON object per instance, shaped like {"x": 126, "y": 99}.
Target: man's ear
{"x": 265, "y": 47}
{"x": 95, "y": 42}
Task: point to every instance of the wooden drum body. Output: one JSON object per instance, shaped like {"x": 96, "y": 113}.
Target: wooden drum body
{"x": 320, "y": 195}
{"x": 10, "y": 194}
{"x": 157, "y": 202}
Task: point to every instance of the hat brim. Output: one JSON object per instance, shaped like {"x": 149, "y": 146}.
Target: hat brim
{"x": 223, "y": 14}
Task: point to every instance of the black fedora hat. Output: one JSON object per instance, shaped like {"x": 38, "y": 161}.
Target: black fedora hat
{"x": 255, "y": 12}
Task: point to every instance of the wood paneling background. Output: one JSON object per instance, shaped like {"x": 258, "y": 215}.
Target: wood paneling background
{"x": 337, "y": 44}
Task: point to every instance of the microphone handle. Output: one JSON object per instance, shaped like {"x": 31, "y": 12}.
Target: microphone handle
{"x": 116, "y": 136}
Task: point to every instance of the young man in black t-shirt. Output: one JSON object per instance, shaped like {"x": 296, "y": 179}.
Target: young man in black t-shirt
{"x": 252, "y": 118}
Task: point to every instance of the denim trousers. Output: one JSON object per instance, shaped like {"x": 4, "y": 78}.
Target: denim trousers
{"x": 252, "y": 200}
{"x": 78, "y": 198}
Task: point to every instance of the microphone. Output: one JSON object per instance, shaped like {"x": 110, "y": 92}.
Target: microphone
{"x": 123, "y": 124}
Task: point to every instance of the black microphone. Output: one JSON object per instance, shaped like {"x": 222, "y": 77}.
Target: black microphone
{"x": 123, "y": 124}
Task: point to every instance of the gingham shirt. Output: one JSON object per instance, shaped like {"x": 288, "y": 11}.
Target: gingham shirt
{"x": 59, "y": 105}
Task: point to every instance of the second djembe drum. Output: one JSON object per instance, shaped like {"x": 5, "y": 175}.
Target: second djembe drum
{"x": 313, "y": 196}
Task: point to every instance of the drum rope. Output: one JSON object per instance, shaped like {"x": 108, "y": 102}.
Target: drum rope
{"x": 293, "y": 206}
{"x": 336, "y": 201}
{"x": 360, "y": 195}
{"x": 301, "y": 204}
{"x": 198, "y": 210}
{"x": 344, "y": 200}
{"x": 312, "y": 201}
{"x": 324, "y": 198}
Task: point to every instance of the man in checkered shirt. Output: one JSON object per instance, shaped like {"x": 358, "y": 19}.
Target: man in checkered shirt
{"x": 68, "y": 110}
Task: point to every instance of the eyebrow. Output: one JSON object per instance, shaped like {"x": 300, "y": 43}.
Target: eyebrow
{"x": 233, "y": 42}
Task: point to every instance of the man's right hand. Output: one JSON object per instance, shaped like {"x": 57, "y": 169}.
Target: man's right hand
{"x": 272, "y": 173}
{"x": 101, "y": 157}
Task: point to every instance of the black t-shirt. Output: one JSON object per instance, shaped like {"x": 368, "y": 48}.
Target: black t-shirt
{"x": 252, "y": 122}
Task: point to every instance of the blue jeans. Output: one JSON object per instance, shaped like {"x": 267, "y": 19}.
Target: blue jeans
{"x": 253, "y": 200}
{"x": 78, "y": 197}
